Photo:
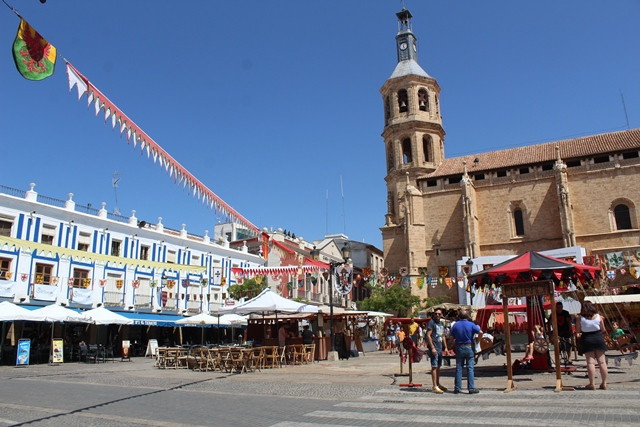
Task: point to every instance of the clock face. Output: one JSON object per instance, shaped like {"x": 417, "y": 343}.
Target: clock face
{"x": 403, "y": 46}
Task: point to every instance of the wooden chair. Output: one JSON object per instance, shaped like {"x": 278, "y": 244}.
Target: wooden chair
{"x": 237, "y": 361}
{"x": 270, "y": 356}
{"x": 249, "y": 359}
{"x": 161, "y": 353}
{"x": 224, "y": 358}
{"x": 297, "y": 354}
{"x": 310, "y": 353}
{"x": 258, "y": 357}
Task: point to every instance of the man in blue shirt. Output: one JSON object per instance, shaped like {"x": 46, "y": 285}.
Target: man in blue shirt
{"x": 464, "y": 331}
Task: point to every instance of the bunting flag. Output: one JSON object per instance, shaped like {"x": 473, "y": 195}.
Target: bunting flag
{"x": 35, "y": 57}
{"x": 420, "y": 282}
{"x": 134, "y": 134}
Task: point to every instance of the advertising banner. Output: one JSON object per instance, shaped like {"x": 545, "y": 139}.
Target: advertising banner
{"x": 58, "y": 354}
{"x": 22, "y": 355}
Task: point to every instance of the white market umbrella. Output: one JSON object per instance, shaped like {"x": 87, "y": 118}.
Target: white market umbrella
{"x": 57, "y": 313}
{"x": 201, "y": 320}
{"x": 198, "y": 319}
{"x": 233, "y": 320}
{"x": 104, "y": 316}
{"x": 269, "y": 301}
{"x": 10, "y": 312}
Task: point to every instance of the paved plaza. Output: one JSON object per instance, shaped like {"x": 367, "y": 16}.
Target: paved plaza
{"x": 362, "y": 391}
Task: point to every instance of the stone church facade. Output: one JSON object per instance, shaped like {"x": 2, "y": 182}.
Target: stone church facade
{"x": 440, "y": 211}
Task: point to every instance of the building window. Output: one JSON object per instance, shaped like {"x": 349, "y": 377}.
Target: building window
{"x": 501, "y": 174}
{"x": 144, "y": 252}
{"x": 423, "y": 99}
{"x": 171, "y": 257}
{"x": 403, "y": 100}
{"x": 84, "y": 239}
{"x": 573, "y": 163}
{"x": 43, "y": 274}
{"x": 5, "y": 268}
{"x": 601, "y": 159}
{"x": 81, "y": 278}
{"x": 48, "y": 233}
{"x": 5, "y": 227}
{"x": 523, "y": 171}
{"x": 387, "y": 110}
{"x": 432, "y": 183}
{"x": 623, "y": 217}
{"x": 390, "y": 159}
{"x": 455, "y": 179}
{"x": 406, "y": 151}
{"x": 518, "y": 221}
{"x": 630, "y": 155}
{"x": 479, "y": 176}
{"x": 115, "y": 247}
{"x": 426, "y": 145}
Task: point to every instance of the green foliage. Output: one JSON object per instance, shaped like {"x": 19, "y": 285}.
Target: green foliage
{"x": 431, "y": 301}
{"x": 390, "y": 300}
{"x": 248, "y": 288}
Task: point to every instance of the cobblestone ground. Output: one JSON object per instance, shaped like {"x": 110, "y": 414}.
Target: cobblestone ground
{"x": 366, "y": 390}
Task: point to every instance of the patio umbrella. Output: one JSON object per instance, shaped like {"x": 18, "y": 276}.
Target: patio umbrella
{"x": 10, "y": 312}
{"x": 104, "y": 316}
{"x": 269, "y": 301}
{"x": 200, "y": 319}
{"x": 56, "y": 313}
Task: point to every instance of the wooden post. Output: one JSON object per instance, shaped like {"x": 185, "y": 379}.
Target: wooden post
{"x": 556, "y": 343}
{"x": 507, "y": 341}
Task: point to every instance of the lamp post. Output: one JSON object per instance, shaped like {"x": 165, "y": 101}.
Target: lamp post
{"x": 346, "y": 254}
{"x": 467, "y": 269}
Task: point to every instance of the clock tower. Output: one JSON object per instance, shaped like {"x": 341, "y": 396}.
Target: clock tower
{"x": 414, "y": 146}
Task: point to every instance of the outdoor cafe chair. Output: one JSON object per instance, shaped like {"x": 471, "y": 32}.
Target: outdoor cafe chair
{"x": 270, "y": 356}
{"x": 258, "y": 358}
{"x": 236, "y": 360}
{"x": 310, "y": 353}
{"x": 225, "y": 358}
{"x": 297, "y": 354}
{"x": 282, "y": 355}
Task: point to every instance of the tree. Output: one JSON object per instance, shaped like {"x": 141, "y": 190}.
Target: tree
{"x": 248, "y": 288}
{"x": 394, "y": 300}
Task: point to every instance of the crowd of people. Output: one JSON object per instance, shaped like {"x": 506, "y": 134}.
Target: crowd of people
{"x": 440, "y": 337}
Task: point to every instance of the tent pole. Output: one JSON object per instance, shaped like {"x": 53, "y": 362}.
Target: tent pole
{"x": 507, "y": 341}
{"x": 556, "y": 344}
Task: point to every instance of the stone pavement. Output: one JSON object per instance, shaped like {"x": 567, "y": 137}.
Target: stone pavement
{"x": 359, "y": 391}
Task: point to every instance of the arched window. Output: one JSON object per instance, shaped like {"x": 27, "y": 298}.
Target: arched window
{"x": 387, "y": 110}
{"x": 390, "y": 160}
{"x": 406, "y": 151}
{"x": 426, "y": 146}
{"x": 403, "y": 100}
{"x": 623, "y": 217}
{"x": 423, "y": 99}
{"x": 518, "y": 221}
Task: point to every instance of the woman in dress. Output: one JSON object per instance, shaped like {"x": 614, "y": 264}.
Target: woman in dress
{"x": 590, "y": 329}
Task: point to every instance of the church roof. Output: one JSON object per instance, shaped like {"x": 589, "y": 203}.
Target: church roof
{"x": 540, "y": 153}
{"x": 408, "y": 68}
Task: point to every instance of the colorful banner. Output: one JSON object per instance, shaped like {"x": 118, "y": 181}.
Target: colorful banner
{"x": 58, "y": 351}
{"x": 22, "y": 354}
{"x": 35, "y": 58}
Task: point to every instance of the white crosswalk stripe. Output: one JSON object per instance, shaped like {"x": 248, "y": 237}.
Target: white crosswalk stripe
{"x": 490, "y": 407}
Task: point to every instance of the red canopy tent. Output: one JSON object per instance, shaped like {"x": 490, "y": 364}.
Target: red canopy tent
{"x": 532, "y": 275}
{"x": 532, "y": 266}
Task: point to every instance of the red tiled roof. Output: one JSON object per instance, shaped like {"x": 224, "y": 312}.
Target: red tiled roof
{"x": 540, "y": 153}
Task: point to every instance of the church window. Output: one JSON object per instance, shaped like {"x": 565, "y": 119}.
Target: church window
{"x": 479, "y": 177}
{"x": 423, "y": 99}
{"x": 622, "y": 217}
{"x": 387, "y": 110}
{"x": 432, "y": 183}
{"x": 573, "y": 163}
{"x": 630, "y": 155}
{"x": 390, "y": 160}
{"x": 403, "y": 100}
{"x": 426, "y": 145}
{"x": 406, "y": 151}
{"x": 518, "y": 220}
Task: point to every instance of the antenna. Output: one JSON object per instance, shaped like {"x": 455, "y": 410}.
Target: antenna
{"x": 625, "y": 109}
{"x": 327, "y": 215}
{"x": 344, "y": 216}
{"x": 114, "y": 181}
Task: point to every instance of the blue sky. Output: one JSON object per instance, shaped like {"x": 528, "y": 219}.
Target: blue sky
{"x": 271, "y": 103}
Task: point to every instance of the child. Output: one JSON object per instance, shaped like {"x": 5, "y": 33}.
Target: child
{"x": 616, "y": 331}
{"x": 537, "y": 333}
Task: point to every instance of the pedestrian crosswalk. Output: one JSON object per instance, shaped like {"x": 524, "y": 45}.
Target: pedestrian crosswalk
{"x": 490, "y": 407}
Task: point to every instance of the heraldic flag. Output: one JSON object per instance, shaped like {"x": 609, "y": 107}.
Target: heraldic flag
{"x": 35, "y": 57}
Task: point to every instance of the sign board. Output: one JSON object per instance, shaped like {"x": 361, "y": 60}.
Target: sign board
{"x": 126, "y": 344}
{"x": 22, "y": 355}
{"x": 152, "y": 347}
{"x": 58, "y": 351}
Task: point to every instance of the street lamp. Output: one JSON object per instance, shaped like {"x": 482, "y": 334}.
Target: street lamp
{"x": 346, "y": 254}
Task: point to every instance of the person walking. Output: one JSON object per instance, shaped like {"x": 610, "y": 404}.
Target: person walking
{"x": 413, "y": 330}
{"x": 436, "y": 343}
{"x": 463, "y": 331}
{"x": 590, "y": 328}
{"x": 565, "y": 330}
